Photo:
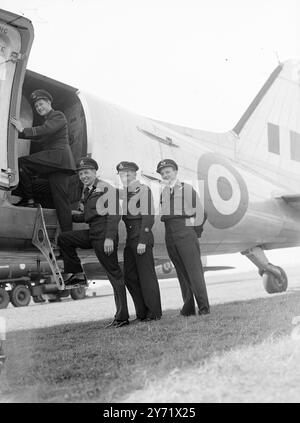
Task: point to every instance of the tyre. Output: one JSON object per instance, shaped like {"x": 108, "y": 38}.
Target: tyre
{"x": 20, "y": 296}
{"x": 4, "y": 298}
{"x": 78, "y": 293}
{"x": 273, "y": 284}
{"x": 166, "y": 267}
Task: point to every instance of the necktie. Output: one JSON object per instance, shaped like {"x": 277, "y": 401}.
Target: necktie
{"x": 86, "y": 193}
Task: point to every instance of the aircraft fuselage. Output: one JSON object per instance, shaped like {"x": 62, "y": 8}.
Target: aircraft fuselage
{"x": 241, "y": 206}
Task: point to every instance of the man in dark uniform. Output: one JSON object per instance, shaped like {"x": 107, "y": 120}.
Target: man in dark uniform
{"x": 101, "y": 212}
{"x": 139, "y": 270}
{"x": 181, "y": 211}
{"x": 54, "y": 160}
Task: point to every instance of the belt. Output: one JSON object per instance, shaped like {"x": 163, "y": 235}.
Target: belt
{"x": 177, "y": 223}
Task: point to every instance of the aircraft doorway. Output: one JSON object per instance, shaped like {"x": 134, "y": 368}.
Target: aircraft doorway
{"x": 65, "y": 99}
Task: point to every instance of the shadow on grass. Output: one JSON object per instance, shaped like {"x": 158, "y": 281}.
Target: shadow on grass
{"x": 85, "y": 362}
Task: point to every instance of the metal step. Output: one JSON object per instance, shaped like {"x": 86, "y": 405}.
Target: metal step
{"x": 40, "y": 239}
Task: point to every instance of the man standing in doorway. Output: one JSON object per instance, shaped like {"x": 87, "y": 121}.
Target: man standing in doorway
{"x": 54, "y": 160}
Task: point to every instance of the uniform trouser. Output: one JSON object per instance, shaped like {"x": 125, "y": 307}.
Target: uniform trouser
{"x": 141, "y": 281}
{"x": 69, "y": 241}
{"x": 58, "y": 181}
{"x": 184, "y": 251}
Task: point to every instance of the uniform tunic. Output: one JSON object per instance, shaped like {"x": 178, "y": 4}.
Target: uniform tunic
{"x": 101, "y": 212}
{"x": 54, "y": 160}
{"x": 139, "y": 269}
{"x": 53, "y": 138}
{"x": 182, "y": 213}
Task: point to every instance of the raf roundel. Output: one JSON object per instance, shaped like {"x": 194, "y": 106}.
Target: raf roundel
{"x": 225, "y": 193}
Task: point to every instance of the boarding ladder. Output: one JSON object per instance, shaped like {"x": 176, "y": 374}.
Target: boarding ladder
{"x": 40, "y": 239}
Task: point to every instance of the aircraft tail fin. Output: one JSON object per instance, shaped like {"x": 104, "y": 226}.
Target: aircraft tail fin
{"x": 269, "y": 131}
{"x": 257, "y": 100}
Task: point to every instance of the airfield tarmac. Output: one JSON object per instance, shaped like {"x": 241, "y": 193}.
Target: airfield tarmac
{"x": 222, "y": 286}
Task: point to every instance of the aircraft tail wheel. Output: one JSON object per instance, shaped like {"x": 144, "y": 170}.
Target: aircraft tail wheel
{"x": 4, "y": 298}
{"x": 20, "y": 296}
{"x": 78, "y": 293}
{"x": 167, "y": 267}
{"x": 275, "y": 284}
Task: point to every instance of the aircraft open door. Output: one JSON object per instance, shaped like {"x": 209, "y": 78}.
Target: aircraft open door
{"x": 16, "y": 36}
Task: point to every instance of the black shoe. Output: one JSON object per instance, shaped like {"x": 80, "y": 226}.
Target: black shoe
{"x": 111, "y": 324}
{"x": 25, "y": 203}
{"x": 74, "y": 278}
{"x": 121, "y": 323}
{"x": 117, "y": 324}
{"x": 136, "y": 320}
{"x": 150, "y": 319}
{"x": 67, "y": 276}
{"x": 203, "y": 312}
{"x": 187, "y": 314}
{"x": 144, "y": 319}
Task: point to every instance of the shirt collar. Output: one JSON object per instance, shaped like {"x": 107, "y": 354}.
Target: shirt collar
{"x": 94, "y": 185}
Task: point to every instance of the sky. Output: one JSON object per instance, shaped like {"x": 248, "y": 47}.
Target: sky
{"x": 196, "y": 63}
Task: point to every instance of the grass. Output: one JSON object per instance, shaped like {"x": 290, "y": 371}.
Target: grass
{"x": 84, "y": 362}
{"x": 266, "y": 372}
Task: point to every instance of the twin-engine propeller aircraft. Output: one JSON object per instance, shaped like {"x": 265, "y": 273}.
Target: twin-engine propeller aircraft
{"x": 248, "y": 178}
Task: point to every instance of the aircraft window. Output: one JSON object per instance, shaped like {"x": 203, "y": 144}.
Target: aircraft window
{"x": 273, "y": 138}
{"x": 295, "y": 146}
